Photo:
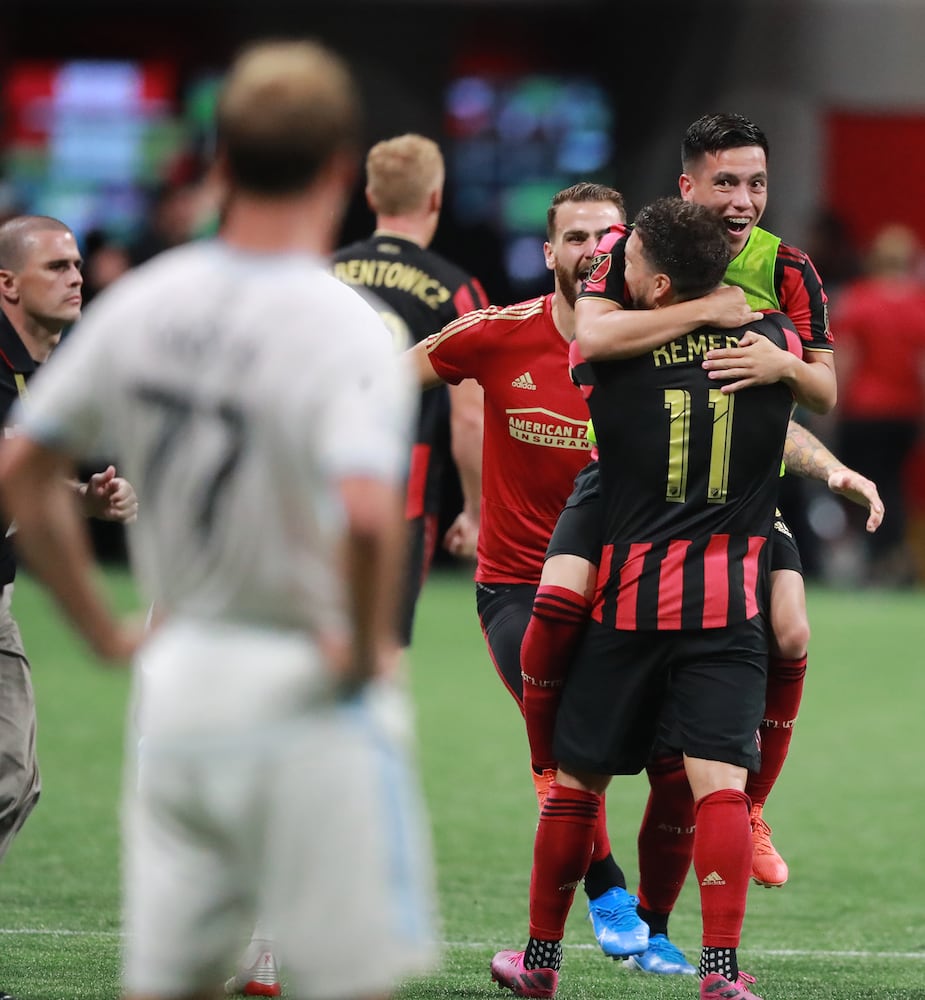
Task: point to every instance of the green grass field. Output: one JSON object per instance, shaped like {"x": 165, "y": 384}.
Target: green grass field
{"x": 847, "y": 814}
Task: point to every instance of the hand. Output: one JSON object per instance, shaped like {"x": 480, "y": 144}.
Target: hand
{"x": 462, "y": 537}
{"x": 756, "y": 361}
{"x": 109, "y": 497}
{"x": 350, "y": 671}
{"x": 119, "y": 644}
{"x": 727, "y": 308}
{"x": 859, "y": 490}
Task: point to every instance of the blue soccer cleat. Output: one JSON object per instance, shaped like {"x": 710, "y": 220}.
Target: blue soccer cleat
{"x": 661, "y": 958}
{"x": 617, "y": 926}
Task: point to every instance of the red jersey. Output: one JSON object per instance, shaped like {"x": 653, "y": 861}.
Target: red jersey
{"x": 535, "y": 438}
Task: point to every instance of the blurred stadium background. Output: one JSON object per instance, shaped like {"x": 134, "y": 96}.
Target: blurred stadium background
{"x": 106, "y": 123}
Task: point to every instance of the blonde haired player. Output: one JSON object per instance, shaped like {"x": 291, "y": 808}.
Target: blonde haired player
{"x": 269, "y": 456}
{"x": 413, "y": 283}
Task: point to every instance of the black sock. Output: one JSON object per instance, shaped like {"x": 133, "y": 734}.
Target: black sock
{"x": 658, "y": 922}
{"x": 721, "y": 960}
{"x": 543, "y": 954}
{"x": 603, "y": 875}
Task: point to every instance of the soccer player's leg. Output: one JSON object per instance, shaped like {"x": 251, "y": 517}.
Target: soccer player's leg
{"x": 665, "y": 850}
{"x": 717, "y": 695}
{"x": 786, "y": 674}
{"x": 504, "y": 611}
{"x": 560, "y": 611}
{"x": 422, "y": 540}
{"x": 353, "y": 914}
{"x": 606, "y": 725}
{"x": 561, "y": 854}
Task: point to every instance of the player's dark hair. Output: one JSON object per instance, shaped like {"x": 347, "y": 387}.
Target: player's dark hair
{"x": 285, "y": 109}
{"x": 583, "y": 191}
{"x": 685, "y": 241}
{"x": 713, "y": 133}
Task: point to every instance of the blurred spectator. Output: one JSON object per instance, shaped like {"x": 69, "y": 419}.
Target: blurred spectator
{"x": 181, "y": 208}
{"x": 10, "y": 206}
{"x": 880, "y": 323}
{"x": 105, "y": 259}
{"x": 172, "y": 220}
{"x": 832, "y": 249}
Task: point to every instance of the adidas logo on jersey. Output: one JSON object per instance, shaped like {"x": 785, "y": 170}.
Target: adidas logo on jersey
{"x": 714, "y": 878}
{"x": 524, "y": 381}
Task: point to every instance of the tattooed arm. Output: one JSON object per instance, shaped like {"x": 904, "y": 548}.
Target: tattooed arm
{"x": 805, "y": 455}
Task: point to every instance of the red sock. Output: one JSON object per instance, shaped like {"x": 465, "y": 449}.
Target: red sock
{"x": 723, "y": 863}
{"x": 782, "y": 702}
{"x": 558, "y": 618}
{"x": 561, "y": 854}
{"x": 601, "y": 848}
{"x": 666, "y": 836}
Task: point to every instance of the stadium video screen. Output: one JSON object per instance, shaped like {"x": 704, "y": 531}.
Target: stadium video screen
{"x": 513, "y": 142}
{"x": 83, "y": 139}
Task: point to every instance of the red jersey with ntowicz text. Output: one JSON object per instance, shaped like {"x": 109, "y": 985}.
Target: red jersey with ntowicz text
{"x": 535, "y": 438}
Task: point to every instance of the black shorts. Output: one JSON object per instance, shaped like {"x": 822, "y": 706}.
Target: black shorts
{"x": 578, "y": 532}
{"x": 504, "y": 611}
{"x": 696, "y": 692}
{"x": 422, "y": 541}
{"x": 784, "y": 551}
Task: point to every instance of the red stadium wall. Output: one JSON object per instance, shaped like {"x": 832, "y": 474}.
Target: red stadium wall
{"x": 873, "y": 173}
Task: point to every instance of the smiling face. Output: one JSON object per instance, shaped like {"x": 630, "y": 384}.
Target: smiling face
{"x": 579, "y": 227}
{"x": 733, "y": 184}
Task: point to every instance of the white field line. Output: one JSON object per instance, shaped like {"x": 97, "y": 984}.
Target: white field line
{"x": 769, "y": 952}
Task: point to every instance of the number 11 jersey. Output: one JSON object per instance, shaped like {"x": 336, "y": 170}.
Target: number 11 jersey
{"x": 689, "y": 480}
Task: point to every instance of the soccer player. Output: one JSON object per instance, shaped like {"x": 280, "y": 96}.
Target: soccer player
{"x": 266, "y": 707}
{"x": 40, "y": 295}
{"x": 404, "y": 188}
{"x": 534, "y": 444}
{"x": 676, "y": 635}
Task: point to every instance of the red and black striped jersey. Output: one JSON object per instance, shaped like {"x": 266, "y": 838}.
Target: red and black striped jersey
{"x": 802, "y": 297}
{"x": 426, "y": 291}
{"x": 689, "y": 481}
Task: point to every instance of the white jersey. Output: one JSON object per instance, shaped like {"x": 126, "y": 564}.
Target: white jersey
{"x": 233, "y": 390}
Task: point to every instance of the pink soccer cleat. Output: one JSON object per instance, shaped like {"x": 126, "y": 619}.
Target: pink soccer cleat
{"x": 507, "y": 970}
{"x": 717, "y": 987}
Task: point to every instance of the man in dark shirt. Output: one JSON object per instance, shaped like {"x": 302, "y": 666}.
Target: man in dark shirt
{"x": 40, "y": 294}
{"x": 404, "y": 188}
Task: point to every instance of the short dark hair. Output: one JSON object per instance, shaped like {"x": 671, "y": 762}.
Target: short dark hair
{"x": 685, "y": 241}
{"x": 15, "y": 233}
{"x": 583, "y": 191}
{"x": 284, "y": 110}
{"x": 713, "y": 133}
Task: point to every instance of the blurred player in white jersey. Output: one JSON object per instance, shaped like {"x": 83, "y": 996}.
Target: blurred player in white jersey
{"x": 259, "y": 409}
